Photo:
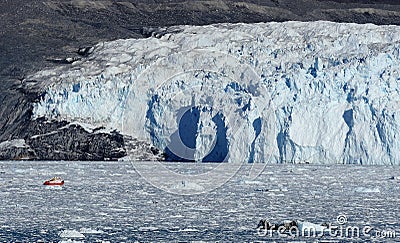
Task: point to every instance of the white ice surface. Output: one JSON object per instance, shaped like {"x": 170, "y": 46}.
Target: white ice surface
{"x": 18, "y": 143}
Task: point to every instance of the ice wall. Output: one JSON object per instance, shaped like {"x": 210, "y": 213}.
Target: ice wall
{"x": 292, "y": 92}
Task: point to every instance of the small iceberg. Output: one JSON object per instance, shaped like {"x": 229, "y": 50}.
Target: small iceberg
{"x": 149, "y": 228}
{"x": 71, "y": 234}
{"x": 367, "y": 190}
{"x": 189, "y": 230}
{"x": 251, "y": 182}
{"x": 71, "y": 241}
{"x": 91, "y": 231}
{"x": 310, "y": 227}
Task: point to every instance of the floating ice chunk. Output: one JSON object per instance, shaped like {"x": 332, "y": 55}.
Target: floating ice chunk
{"x": 71, "y": 241}
{"x": 304, "y": 226}
{"x": 189, "y": 230}
{"x": 252, "y": 182}
{"x": 149, "y": 228}
{"x": 56, "y": 188}
{"x": 232, "y": 211}
{"x": 202, "y": 208}
{"x": 367, "y": 190}
{"x": 90, "y": 231}
{"x": 71, "y": 234}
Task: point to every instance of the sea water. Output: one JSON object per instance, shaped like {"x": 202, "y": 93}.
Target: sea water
{"x": 113, "y": 201}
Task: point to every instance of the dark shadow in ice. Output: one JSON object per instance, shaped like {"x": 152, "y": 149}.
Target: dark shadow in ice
{"x": 183, "y": 141}
{"x": 188, "y": 127}
{"x": 348, "y": 118}
{"x": 257, "y": 129}
{"x": 221, "y": 149}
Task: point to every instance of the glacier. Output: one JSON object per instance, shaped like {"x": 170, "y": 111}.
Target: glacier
{"x": 292, "y": 92}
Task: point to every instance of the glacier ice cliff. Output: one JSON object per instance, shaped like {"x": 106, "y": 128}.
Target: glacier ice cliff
{"x": 292, "y": 92}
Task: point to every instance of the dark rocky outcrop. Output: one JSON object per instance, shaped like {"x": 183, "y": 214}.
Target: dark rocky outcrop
{"x": 75, "y": 143}
{"x": 53, "y": 140}
{"x": 10, "y": 151}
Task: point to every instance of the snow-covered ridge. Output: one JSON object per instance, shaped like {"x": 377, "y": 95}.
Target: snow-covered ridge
{"x": 316, "y": 92}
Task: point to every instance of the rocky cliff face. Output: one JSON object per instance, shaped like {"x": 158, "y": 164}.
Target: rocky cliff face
{"x": 45, "y": 139}
{"x": 294, "y": 92}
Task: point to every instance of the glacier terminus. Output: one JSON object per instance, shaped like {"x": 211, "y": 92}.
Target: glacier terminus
{"x": 291, "y": 92}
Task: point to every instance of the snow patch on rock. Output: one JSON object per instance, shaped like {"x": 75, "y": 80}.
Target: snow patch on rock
{"x": 16, "y": 143}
